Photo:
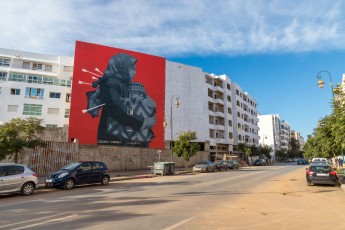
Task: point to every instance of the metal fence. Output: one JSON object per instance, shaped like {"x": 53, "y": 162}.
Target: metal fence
{"x": 51, "y": 158}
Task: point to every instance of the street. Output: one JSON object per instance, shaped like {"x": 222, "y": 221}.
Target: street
{"x": 266, "y": 197}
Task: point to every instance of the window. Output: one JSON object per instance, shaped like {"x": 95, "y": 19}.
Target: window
{"x": 48, "y": 68}
{"x": 15, "y": 169}
{"x": 230, "y": 123}
{"x": 16, "y": 77}
{"x": 32, "y": 109}
{"x": 15, "y": 91}
{"x": 3, "y": 76}
{"x": 53, "y": 111}
{"x": 229, "y": 111}
{"x": 67, "y": 113}
{"x": 34, "y": 79}
{"x": 68, "y": 68}
{"x": 12, "y": 108}
{"x": 54, "y": 95}
{"x": 68, "y": 97}
{"x": 228, "y": 86}
{"x": 97, "y": 165}
{"x": 34, "y": 92}
{"x": 237, "y": 92}
{"x": 37, "y": 66}
{"x": 51, "y": 126}
{"x": 5, "y": 61}
{"x": 229, "y": 98}
{"x": 231, "y": 136}
{"x": 26, "y": 65}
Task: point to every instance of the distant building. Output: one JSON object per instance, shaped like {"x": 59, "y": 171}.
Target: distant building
{"x": 274, "y": 133}
{"x": 297, "y": 136}
{"x": 37, "y": 85}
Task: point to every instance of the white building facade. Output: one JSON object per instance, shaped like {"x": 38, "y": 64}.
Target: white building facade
{"x": 218, "y": 110}
{"x": 37, "y": 85}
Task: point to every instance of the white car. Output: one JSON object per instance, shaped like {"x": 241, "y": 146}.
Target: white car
{"x": 17, "y": 178}
{"x": 320, "y": 160}
{"x": 204, "y": 166}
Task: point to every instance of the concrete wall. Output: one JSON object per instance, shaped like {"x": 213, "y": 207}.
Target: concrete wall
{"x": 117, "y": 158}
{"x": 128, "y": 158}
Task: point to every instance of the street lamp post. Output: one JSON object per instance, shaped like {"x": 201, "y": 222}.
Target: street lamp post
{"x": 321, "y": 84}
{"x": 165, "y": 124}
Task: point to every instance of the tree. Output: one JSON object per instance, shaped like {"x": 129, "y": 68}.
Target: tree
{"x": 17, "y": 134}
{"x": 266, "y": 150}
{"x": 185, "y": 147}
{"x": 281, "y": 155}
{"x": 244, "y": 148}
{"x": 294, "y": 147}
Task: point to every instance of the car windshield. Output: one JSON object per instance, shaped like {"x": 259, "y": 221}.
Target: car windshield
{"x": 71, "y": 166}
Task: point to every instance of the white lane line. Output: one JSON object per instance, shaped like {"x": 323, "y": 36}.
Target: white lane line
{"x": 28, "y": 221}
{"x": 46, "y": 222}
{"x": 228, "y": 179}
{"x": 180, "y": 223}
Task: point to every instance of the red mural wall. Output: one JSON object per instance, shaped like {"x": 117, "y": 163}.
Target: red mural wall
{"x": 90, "y": 64}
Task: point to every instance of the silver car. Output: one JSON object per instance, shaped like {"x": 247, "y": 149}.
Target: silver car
{"x": 204, "y": 166}
{"x": 17, "y": 178}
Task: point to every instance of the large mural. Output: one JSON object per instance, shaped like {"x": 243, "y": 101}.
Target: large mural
{"x": 117, "y": 97}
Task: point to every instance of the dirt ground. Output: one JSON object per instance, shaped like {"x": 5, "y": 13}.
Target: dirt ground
{"x": 284, "y": 203}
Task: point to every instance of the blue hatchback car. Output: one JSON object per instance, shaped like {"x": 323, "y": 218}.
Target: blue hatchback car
{"x": 78, "y": 173}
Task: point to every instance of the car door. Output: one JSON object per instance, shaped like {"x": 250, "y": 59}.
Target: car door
{"x": 97, "y": 171}
{"x": 14, "y": 178}
{"x": 84, "y": 173}
{"x": 3, "y": 170}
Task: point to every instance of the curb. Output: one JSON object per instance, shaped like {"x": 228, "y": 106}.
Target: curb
{"x": 121, "y": 178}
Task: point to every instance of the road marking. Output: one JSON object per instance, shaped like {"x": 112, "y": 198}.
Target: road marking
{"x": 180, "y": 223}
{"x": 28, "y": 221}
{"x": 228, "y": 179}
{"x": 45, "y": 222}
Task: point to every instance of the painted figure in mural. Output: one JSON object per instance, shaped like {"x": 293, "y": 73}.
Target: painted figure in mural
{"x": 119, "y": 123}
{"x": 138, "y": 104}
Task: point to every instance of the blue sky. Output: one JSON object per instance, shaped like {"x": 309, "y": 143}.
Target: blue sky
{"x": 272, "y": 48}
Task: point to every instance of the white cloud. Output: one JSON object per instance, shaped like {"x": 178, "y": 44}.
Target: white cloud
{"x": 168, "y": 28}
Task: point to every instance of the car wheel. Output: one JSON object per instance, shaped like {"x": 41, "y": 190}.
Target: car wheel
{"x": 105, "y": 180}
{"x": 69, "y": 184}
{"x": 27, "y": 189}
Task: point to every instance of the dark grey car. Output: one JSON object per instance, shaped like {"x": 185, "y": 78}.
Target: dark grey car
{"x": 318, "y": 173}
{"x": 17, "y": 178}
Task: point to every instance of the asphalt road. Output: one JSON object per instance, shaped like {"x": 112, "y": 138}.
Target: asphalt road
{"x": 267, "y": 197}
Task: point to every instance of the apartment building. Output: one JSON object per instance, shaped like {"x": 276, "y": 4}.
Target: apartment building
{"x": 33, "y": 84}
{"x": 218, "y": 110}
{"x": 269, "y": 132}
{"x": 296, "y": 135}
{"x": 284, "y": 135}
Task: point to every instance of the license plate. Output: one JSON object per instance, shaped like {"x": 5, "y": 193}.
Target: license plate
{"x": 321, "y": 174}
{"x": 49, "y": 180}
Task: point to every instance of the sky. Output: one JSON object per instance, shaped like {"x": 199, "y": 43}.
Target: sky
{"x": 274, "y": 49}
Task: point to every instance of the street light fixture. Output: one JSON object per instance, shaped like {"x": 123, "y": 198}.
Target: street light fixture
{"x": 165, "y": 123}
{"x": 321, "y": 83}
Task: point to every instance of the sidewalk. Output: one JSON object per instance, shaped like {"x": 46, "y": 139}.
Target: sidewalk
{"x": 126, "y": 175}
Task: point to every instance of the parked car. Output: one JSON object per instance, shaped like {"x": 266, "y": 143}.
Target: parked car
{"x": 221, "y": 165}
{"x": 16, "y": 178}
{"x": 232, "y": 164}
{"x": 204, "y": 166}
{"x": 302, "y": 162}
{"x": 78, "y": 173}
{"x": 320, "y": 160}
{"x": 321, "y": 173}
{"x": 260, "y": 162}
